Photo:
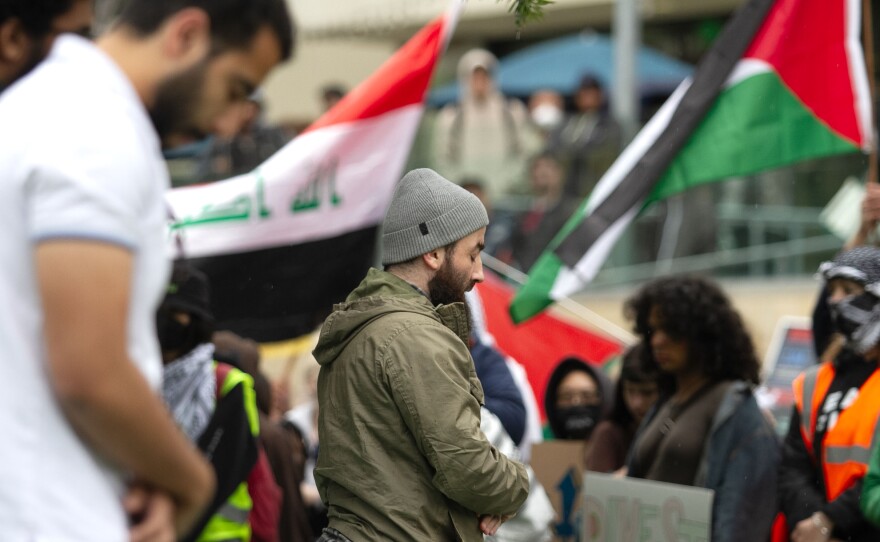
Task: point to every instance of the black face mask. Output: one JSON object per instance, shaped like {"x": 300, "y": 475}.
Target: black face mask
{"x": 173, "y": 336}
{"x": 851, "y": 313}
{"x": 578, "y": 422}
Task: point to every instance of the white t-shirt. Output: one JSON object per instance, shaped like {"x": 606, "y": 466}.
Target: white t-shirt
{"x": 79, "y": 159}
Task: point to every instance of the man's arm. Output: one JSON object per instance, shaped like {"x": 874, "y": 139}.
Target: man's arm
{"x": 85, "y": 290}
{"x": 433, "y": 392}
{"x": 798, "y": 490}
{"x": 870, "y": 214}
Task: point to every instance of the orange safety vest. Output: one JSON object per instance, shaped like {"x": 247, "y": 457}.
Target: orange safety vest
{"x": 846, "y": 449}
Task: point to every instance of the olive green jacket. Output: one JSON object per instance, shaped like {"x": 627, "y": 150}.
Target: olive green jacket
{"x": 402, "y": 456}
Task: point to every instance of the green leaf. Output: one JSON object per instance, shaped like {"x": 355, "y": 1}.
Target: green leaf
{"x": 527, "y": 10}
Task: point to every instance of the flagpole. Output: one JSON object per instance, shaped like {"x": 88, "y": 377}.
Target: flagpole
{"x": 566, "y": 303}
{"x": 868, "y": 45}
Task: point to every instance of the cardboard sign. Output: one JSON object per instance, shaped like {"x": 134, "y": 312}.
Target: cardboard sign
{"x": 633, "y": 510}
{"x": 558, "y": 466}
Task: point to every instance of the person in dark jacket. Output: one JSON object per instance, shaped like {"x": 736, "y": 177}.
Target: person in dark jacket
{"x": 707, "y": 430}
{"x": 215, "y": 406}
{"x": 588, "y": 140}
{"x": 549, "y": 210}
{"x": 502, "y": 395}
{"x": 837, "y": 406}
{"x": 577, "y": 397}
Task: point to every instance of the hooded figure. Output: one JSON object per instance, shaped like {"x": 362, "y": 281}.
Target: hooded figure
{"x": 857, "y": 317}
{"x": 577, "y": 398}
{"x": 485, "y": 135}
{"x": 823, "y": 487}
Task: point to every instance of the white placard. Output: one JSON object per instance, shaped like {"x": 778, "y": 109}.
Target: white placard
{"x": 632, "y": 510}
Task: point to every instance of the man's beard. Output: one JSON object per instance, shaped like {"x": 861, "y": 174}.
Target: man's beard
{"x": 177, "y": 100}
{"x": 448, "y": 286}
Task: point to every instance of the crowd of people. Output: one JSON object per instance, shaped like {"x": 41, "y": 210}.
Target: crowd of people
{"x": 531, "y": 164}
{"x": 130, "y": 416}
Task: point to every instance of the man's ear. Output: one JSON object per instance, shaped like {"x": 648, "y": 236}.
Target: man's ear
{"x": 434, "y": 259}
{"x": 186, "y": 36}
{"x": 14, "y": 42}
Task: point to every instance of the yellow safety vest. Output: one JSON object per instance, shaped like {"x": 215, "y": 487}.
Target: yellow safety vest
{"x": 230, "y": 523}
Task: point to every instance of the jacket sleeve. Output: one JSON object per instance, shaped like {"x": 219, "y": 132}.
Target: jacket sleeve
{"x": 870, "y": 502}
{"x": 744, "y": 507}
{"x": 435, "y": 388}
{"x": 800, "y": 493}
{"x": 844, "y": 511}
{"x": 502, "y": 396}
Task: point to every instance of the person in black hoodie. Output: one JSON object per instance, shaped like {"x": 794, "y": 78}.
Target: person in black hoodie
{"x": 577, "y": 397}
{"x": 833, "y": 422}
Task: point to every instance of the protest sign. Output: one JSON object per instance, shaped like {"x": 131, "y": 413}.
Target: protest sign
{"x": 558, "y": 466}
{"x": 630, "y": 510}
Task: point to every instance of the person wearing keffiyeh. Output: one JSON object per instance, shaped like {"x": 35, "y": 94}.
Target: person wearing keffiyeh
{"x": 837, "y": 407}
{"x": 214, "y": 404}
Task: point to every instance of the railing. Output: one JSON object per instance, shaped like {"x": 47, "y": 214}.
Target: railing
{"x": 743, "y": 247}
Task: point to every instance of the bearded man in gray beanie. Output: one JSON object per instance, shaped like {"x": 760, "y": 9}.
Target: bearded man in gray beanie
{"x": 402, "y": 455}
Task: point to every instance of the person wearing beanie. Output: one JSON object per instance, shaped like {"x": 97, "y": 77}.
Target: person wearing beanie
{"x": 823, "y": 487}
{"x": 215, "y": 405}
{"x": 402, "y": 455}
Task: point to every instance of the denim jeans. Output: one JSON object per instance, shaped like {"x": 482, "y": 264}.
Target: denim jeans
{"x": 332, "y": 535}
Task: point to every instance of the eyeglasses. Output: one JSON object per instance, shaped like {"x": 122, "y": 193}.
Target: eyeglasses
{"x": 578, "y": 397}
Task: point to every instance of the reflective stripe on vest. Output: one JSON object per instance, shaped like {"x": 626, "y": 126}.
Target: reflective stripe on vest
{"x": 235, "y": 377}
{"x": 231, "y": 513}
{"x": 231, "y": 521}
{"x": 846, "y": 448}
{"x": 810, "y": 388}
{"x": 837, "y": 455}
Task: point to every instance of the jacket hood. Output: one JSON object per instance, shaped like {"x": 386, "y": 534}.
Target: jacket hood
{"x": 566, "y": 366}
{"x": 380, "y": 293}
{"x": 473, "y": 59}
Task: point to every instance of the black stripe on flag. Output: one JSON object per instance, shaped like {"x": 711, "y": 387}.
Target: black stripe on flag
{"x": 279, "y": 293}
{"x": 708, "y": 79}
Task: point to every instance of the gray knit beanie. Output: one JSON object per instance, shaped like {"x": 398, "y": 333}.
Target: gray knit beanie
{"x": 428, "y": 212}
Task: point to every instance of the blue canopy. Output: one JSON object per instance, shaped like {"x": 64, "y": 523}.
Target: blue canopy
{"x": 559, "y": 65}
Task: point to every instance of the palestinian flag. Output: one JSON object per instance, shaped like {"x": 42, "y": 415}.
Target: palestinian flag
{"x": 785, "y": 81}
{"x": 286, "y": 241}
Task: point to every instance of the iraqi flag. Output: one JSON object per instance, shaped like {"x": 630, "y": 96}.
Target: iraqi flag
{"x": 283, "y": 243}
{"x": 785, "y": 81}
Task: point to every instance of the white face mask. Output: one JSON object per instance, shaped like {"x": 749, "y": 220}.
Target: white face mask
{"x": 546, "y": 116}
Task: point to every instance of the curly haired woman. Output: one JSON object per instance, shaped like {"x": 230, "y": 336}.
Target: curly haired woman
{"x": 707, "y": 430}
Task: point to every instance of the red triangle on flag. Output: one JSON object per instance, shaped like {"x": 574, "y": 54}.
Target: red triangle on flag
{"x": 542, "y": 342}
{"x": 803, "y": 38}
{"x": 401, "y": 81}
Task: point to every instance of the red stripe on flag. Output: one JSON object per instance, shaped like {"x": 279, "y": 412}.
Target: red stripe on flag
{"x": 803, "y": 38}
{"x": 540, "y": 343}
{"x": 401, "y": 81}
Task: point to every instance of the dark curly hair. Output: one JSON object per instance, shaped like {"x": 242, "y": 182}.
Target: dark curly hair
{"x": 696, "y": 310}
